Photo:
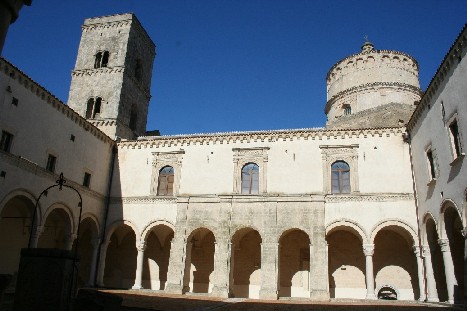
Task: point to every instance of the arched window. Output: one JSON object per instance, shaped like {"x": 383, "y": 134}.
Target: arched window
{"x": 138, "y": 70}
{"x": 93, "y": 108}
{"x": 165, "y": 181}
{"x": 347, "y": 110}
{"x": 250, "y": 179}
{"x": 133, "y": 117}
{"x": 102, "y": 59}
{"x": 340, "y": 177}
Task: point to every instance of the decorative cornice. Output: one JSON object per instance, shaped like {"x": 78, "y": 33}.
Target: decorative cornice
{"x": 47, "y": 97}
{"x": 450, "y": 60}
{"x": 144, "y": 200}
{"x": 34, "y": 168}
{"x": 255, "y": 137}
{"x": 97, "y": 71}
{"x": 377, "y": 52}
{"x": 369, "y": 197}
{"x": 367, "y": 86}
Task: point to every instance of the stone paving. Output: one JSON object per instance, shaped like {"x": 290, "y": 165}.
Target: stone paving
{"x": 151, "y": 300}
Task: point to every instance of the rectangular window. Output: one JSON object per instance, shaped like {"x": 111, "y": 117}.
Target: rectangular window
{"x": 431, "y": 164}
{"x": 51, "y": 163}
{"x": 5, "y": 142}
{"x": 87, "y": 180}
{"x": 455, "y": 139}
{"x": 14, "y": 101}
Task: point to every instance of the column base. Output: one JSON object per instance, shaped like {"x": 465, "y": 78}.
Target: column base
{"x": 319, "y": 295}
{"x": 432, "y": 299}
{"x": 268, "y": 294}
{"x": 137, "y": 287}
{"x": 173, "y": 289}
{"x": 220, "y": 292}
{"x": 370, "y": 297}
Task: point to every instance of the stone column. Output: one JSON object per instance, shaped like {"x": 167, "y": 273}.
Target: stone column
{"x": 69, "y": 239}
{"x": 187, "y": 268}
{"x": 35, "y": 236}
{"x": 231, "y": 269}
{"x": 178, "y": 257}
{"x": 95, "y": 252}
{"x": 432, "y": 293}
{"x": 421, "y": 279}
{"x": 139, "y": 265}
{"x": 451, "y": 281}
{"x": 221, "y": 272}
{"x": 103, "y": 255}
{"x": 269, "y": 270}
{"x": 368, "y": 250}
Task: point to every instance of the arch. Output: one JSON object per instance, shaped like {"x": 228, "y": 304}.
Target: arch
{"x": 392, "y": 287}
{"x": 117, "y": 224}
{"x": 412, "y": 237}
{"x": 241, "y": 227}
{"x": 151, "y": 225}
{"x": 287, "y": 231}
{"x": 28, "y": 195}
{"x": 94, "y": 220}
{"x": 194, "y": 231}
{"x": 356, "y": 228}
{"x": 426, "y": 217}
{"x": 66, "y": 209}
{"x": 446, "y": 205}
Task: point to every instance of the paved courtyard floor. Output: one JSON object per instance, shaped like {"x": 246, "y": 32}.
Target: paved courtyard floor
{"x": 150, "y": 300}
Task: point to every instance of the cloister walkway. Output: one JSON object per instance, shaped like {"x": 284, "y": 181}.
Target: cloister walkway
{"x": 150, "y": 300}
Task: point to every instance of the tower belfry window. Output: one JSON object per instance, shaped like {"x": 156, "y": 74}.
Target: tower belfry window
{"x": 102, "y": 59}
{"x": 347, "y": 110}
{"x": 93, "y": 108}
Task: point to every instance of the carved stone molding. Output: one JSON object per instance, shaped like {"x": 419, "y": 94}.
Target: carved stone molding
{"x": 370, "y": 197}
{"x": 141, "y": 247}
{"x": 144, "y": 200}
{"x": 162, "y": 159}
{"x": 444, "y": 244}
{"x": 426, "y": 251}
{"x": 346, "y": 153}
{"x": 416, "y": 250}
{"x": 243, "y": 156}
{"x": 368, "y": 249}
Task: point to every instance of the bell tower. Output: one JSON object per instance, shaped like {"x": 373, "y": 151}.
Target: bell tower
{"x": 110, "y": 84}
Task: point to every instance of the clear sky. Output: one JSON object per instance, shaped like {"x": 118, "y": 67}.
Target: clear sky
{"x": 238, "y": 65}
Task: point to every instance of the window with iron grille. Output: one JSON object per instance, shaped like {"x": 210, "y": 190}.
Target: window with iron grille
{"x": 5, "y": 142}
{"x": 340, "y": 177}
{"x": 51, "y": 160}
{"x": 166, "y": 181}
{"x": 250, "y": 179}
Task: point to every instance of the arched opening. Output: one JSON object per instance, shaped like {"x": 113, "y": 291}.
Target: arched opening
{"x": 387, "y": 293}
{"x": 105, "y": 59}
{"x": 133, "y": 117}
{"x": 86, "y": 245}
{"x": 165, "y": 181}
{"x": 245, "y": 264}
{"x": 294, "y": 264}
{"x": 436, "y": 259}
{"x": 340, "y": 177}
{"x": 394, "y": 262}
{"x": 97, "y": 60}
{"x": 15, "y": 225}
{"x": 57, "y": 230}
{"x": 120, "y": 262}
{"x": 250, "y": 179}
{"x": 97, "y": 108}
{"x": 89, "y": 108}
{"x": 199, "y": 262}
{"x": 346, "y": 264}
{"x": 156, "y": 257}
{"x": 453, "y": 228}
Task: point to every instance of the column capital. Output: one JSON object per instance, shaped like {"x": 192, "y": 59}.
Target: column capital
{"x": 426, "y": 251}
{"x": 416, "y": 250}
{"x": 368, "y": 249}
{"x": 141, "y": 246}
{"x": 444, "y": 244}
{"x": 464, "y": 232}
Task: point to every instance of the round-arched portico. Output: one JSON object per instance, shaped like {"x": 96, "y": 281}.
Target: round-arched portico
{"x": 16, "y": 211}
{"x": 346, "y": 260}
{"x": 294, "y": 263}
{"x": 245, "y": 263}
{"x": 88, "y": 245}
{"x": 58, "y": 229}
{"x": 199, "y": 261}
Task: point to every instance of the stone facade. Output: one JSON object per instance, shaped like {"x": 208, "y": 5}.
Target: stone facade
{"x": 313, "y": 213}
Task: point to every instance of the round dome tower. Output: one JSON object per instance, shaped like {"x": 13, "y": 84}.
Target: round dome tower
{"x": 368, "y": 80}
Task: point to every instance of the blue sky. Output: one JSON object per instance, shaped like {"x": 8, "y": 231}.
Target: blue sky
{"x": 231, "y": 65}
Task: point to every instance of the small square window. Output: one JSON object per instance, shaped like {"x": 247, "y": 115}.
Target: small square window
{"x": 87, "y": 180}
{"x": 14, "y": 101}
{"x": 51, "y": 163}
{"x": 72, "y": 137}
{"x": 5, "y": 142}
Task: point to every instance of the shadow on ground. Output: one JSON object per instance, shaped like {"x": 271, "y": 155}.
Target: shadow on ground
{"x": 146, "y": 300}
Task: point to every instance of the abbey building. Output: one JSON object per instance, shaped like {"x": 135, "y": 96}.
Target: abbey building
{"x": 370, "y": 206}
